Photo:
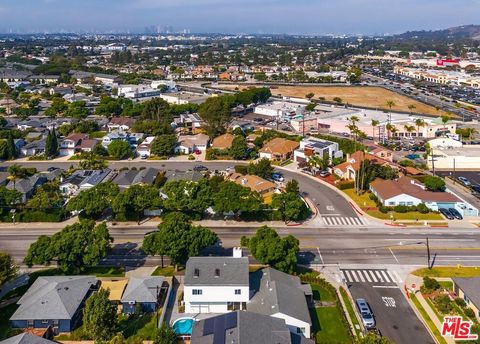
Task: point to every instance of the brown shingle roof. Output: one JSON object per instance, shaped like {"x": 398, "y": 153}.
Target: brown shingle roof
{"x": 253, "y": 182}
{"x": 390, "y": 188}
{"x": 279, "y": 146}
{"x": 223, "y": 142}
{"x": 356, "y": 159}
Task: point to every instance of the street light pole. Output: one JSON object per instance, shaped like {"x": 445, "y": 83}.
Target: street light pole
{"x": 428, "y": 255}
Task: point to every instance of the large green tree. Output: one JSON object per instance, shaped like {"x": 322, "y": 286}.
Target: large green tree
{"x": 262, "y": 168}
{"x": 73, "y": 248}
{"x": 165, "y": 335}
{"x": 92, "y": 202}
{"x": 238, "y": 151}
{"x": 119, "y": 149}
{"x": 434, "y": 183}
{"x": 51, "y": 144}
{"x": 290, "y": 206}
{"x": 269, "y": 248}
{"x": 164, "y": 145}
{"x": 178, "y": 238}
{"x": 188, "y": 196}
{"x": 131, "y": 203}
{"x": 232, "y": 197}
{"x": 216, "y": 113}
{"x": 8, "y": 268}
{"x": 100, "y": 316}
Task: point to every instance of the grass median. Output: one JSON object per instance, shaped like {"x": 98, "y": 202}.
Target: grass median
{"x": 450, "y": 271}
{"x": 428, "y": 320}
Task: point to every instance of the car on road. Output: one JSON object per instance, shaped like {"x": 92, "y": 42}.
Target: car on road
{"x": 445, "y": 212}
{"x": 324, "y": 173}
{"x": 277, "y": 177}
{"x": 456, "y": 214}
{"x": 464, "y": 181}
{"x": 200, "y": 168}
{"x": 365, "y": 313}
{"x": 476, "y": 188}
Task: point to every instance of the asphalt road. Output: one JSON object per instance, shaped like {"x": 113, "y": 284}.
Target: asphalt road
{"x": 328, "y": 201}
{"x": 394, "y": 317}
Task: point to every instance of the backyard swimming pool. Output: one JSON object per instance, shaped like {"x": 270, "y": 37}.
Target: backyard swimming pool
{"x": 183, "y": 326}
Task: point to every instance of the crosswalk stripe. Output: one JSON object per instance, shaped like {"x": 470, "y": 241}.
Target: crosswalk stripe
{"x": 360, "y": 275}
{"x": 354, "y": 275}
{"x": 392, "y": 278}
{"x": 379, "y": 276}
{"x": 342, "y": 221}
{"x": 349, "y": 278}
{"x": 385, "y": 276}
{"x": 367, "y": 276}
{"x": 398, "y": 277}
{"x": 374, "y": 278}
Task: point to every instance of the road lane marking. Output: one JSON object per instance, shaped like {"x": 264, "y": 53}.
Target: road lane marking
{"x": 386, "y": 286}
{"x": 367, "y": 276}
{"x": 320, "y": 255}
{"x": 394, "y": 256}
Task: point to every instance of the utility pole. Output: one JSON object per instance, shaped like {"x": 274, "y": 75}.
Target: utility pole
{"x": 428, "y": 255}
{"x": 433, "y": 162}
{"x": 454, "y": 171}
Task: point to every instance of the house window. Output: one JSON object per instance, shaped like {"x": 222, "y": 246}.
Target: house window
{"x": 409, "y": 203}
{"x": 391, "y": 203}
{"x": 44, "y": 321}
{"x": 402, "y": 203}
{"x": 467, "y": 300}
{"x": 238, "y": 291}
{"x": 197, "y": 291}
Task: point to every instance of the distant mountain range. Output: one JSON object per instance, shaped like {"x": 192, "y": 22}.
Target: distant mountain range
{"x": 458, "y": 32}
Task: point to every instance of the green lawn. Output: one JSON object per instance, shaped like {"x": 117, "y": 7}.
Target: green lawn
{"x": 427, "y": 319}
{"x": 105, "y": 271}
{"x": 413, "y": 215}
{"x": 362, "y": 200}
{"x": 464, "y": 271}
{"x": 448, "y": 285}
{"x": 351, "y": 311}
{"x": 166, "y": 271}
{"x": 5, "y": 314}
{"x": 143, "y": 325}
{"x": 320, "y": 293}
{"x": 328, "y": 325}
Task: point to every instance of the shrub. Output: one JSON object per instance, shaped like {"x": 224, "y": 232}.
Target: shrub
{"x": 401, "y": 208}
{"x": 422, "y": 208}
{"x": 469, "y": 313}
{"x": 443, "y": 304}
{"x": 431, "y": 284}
{"x": 461, "y": 302}
{"x": 346, "y": 185}
{"x": 242, "y": 169}
{"x": 191, "y": 157}
{"x": 373, "y": 197}
{"x": 383, "y": 209}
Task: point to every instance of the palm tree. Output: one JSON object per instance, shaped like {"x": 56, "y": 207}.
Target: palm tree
{"x": 409, "y": 129}
{"x": 411, "y": 107}
{"x": 389, "y": 127}
{"x": 390, "y": 104}
{"x": 393, "y": 130}
{"x": 375, "y": 124}
{"x": 16, "y": 172}
{"x": 419, "y": 123}
{"x": 319, "y": 162}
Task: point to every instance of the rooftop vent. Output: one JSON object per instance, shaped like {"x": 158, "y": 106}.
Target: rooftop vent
{"x": 217, "y": 272}
{"x": 196, "y": 273}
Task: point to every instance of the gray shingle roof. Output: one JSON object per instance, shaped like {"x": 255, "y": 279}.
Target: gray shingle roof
{"x": 53, "y": 297}
{"x": 241, "y": 328}
{"x": 133, "y": 177}
{"x": 278, "y": 292}
{"x": 470, "y": 287}
{"x": 231, "y": 271}
{"x": 143, "y": 289}
{"x": 26, "y": 338}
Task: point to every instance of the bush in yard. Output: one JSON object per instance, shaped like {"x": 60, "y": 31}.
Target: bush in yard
{"x": 434, "y": 183}
{"x": 422, "y": 208}
{"x": 430, "y": 284}
{"x": 401, "y": 208}
{"x": 242, "y": 169}
{"x": 373, "y": 197}
{"x": 461, "y": 302}
{"x": 469, "y": 313}
{"x": 383, "y": 209}
{"x": 443, "y": 304}
{"x": 346, "y": 185}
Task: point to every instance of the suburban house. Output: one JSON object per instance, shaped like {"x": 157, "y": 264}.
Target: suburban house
{"x": 27, "y": 186}
{"x": 216, "y": 284}
{"x": 468, "y": 289}
{"x": 407, "y": 191}
{"x": 143, "y": 149}
{"x": 283, "y": 296}
{"x": 223, "y": 142}
{"x": 120, "y": 124}
{"x": 188, "y": 123}
{"x": 83, "y": 180}
{"x": 143, "y": 293}
{"x": 26, "y": 338}
{"x": 349, "y": 168}
{"x": 54, "y": 302}
{"x": 244, "y": 328}
{"x": 34, "y": 148}
{"x": 76, "y": 142}
{"x": 187, "y": 144}
{"x": 113, "y": 136}
{"x": 255, "y": 183}
{"x": 278, "y": 149}
{"x": 311, "y": 146}
{"x": 382, "y": 153}
{"x": 126, "y": 178}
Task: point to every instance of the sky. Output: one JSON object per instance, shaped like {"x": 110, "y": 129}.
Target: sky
{"x": 237, "y": 16}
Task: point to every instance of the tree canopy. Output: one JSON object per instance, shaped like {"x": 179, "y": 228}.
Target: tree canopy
{"x": 100, "y": 316}
{"x": 8, "y": 268}
{"x": 290, "y": 206}
{"x": 75, "y": 247}
{"x": 92, "y": 202}
{"x": 131, "y": 203}
{"x": 433, "y": 183}
{"x": 262, "y": 168}
{"x": 163, "y": 145}
{"x": 119, "y": 149}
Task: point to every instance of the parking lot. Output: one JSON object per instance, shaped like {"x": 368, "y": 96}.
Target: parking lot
{"x": 472, "y": 176}
{"x": 394, "y": 317}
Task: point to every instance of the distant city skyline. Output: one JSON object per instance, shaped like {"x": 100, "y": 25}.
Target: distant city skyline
{"x": 241, "y": 16}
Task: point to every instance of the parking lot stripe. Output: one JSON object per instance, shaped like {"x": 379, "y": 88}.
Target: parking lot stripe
{"x": 360, "y": 275}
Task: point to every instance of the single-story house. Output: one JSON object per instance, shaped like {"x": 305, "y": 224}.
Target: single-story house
{"x": 407, "y": 191}
{"x": 34, "y": 148}
{"x": 127, "y": 178}
{"x": 223, "y": 141}
{"x": 54, "y": 301}
{"x": 468, "y": 289}
{"x": 349, "y": 168}
{"x": 84, "y": 179}
{"x": 27, "y": 186}
{"x": 264, "y": 187}
{"x": 113, "y": 136}
{"x": 382, "y": 153}
{"x": 283, "y": 296}
{"x": 120, "y": 123}
{"x": 144, "y": 292}
{"x": 188, "y": 144}
{"x": 243, "y": 327}
{"x": 26, "y": 338}
{"x": 278, "y": 149}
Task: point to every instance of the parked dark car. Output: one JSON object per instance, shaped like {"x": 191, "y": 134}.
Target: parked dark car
{"x": 200, "y": 168}
{"x": 445, "y": 212}
{"x": 455, "y": 213}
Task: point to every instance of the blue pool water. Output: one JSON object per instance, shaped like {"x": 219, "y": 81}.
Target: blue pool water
{"x": 183, "y": 326}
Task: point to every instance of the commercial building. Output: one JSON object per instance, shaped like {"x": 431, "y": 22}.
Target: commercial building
{"x": 280, "y": 109}
{"x": 444, "y": 77}
{"x": 450, "y": 154}
{"x": 183, "y": 98}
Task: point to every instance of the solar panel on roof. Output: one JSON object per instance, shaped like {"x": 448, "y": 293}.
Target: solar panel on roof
{"x": 231, "y": 320}
{"x": 208, "y": 326}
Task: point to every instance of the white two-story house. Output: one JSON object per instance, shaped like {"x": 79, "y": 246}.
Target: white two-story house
{"x": 216, "y": 284}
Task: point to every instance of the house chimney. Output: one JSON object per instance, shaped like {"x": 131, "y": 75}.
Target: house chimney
{"x": 237, "y": 252}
